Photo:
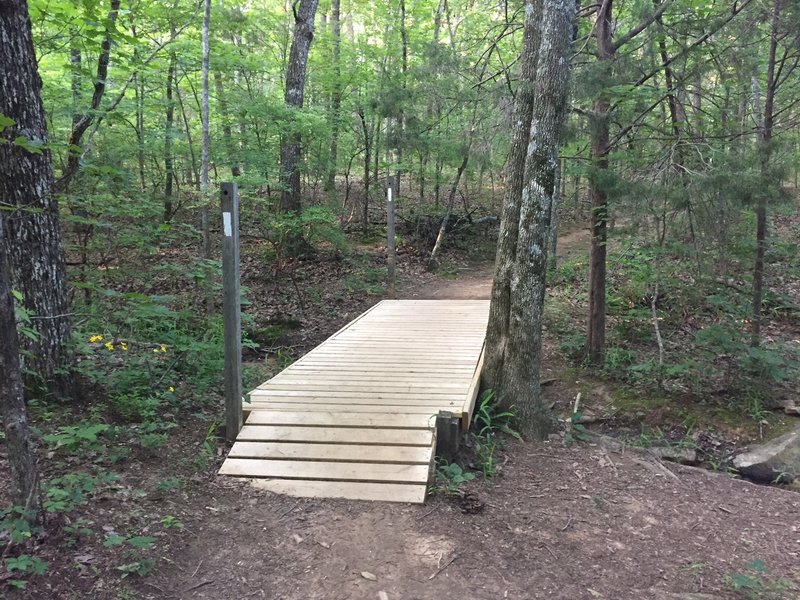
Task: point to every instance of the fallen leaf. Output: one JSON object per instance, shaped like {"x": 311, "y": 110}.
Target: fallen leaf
{"x": 368, "y": 575}
{"x": 297, "y": 538}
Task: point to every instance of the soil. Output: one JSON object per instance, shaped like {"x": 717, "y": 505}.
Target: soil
{"x": 571, "y": 522}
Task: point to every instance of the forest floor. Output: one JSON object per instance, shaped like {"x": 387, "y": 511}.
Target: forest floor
{"x": 582, "y": 521}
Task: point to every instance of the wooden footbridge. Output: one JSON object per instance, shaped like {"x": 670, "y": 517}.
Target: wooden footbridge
{"x": 357, "y": 416}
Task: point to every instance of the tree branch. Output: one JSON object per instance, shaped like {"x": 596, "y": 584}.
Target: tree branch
{"x": 643, "y": 25}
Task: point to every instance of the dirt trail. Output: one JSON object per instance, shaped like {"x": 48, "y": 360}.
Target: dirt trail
{"x": 565, "y": 522}
{"x": 570, "y": 523}
{"x": 476, "y": 282}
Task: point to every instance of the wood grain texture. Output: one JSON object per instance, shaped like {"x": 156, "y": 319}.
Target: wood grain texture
{"x": 355, "y": 417}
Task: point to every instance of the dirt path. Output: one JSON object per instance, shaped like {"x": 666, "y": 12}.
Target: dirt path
{"x": 573, "y": 523}
{"x": 561, "y": 522}
{"x": 475, "y": 282}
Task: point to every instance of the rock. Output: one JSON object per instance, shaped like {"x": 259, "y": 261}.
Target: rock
{"x": 684, "y": 456}
{"x": 792, "y": 410}
{"x": 777, "y": 459}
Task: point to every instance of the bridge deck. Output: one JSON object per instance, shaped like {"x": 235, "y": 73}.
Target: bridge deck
{"x": 355, "y": 417}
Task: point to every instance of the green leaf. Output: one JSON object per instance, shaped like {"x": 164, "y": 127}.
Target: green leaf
{"x": 34, "y": 147}
{"x": 141, "y": 542}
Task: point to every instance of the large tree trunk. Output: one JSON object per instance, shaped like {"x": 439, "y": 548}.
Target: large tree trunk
{"x": 518, "y": 387}
{"x": 497, "y": 331}
{"x": 32, "y": 238}
{"x": 293, "y": 97}
{"x": 21, "y": 457}
{"x": 606, "y": 51}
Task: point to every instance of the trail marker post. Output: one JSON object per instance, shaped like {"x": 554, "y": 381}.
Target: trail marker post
{"x": 232, "y": 309}
{"x": 391, "y": 259}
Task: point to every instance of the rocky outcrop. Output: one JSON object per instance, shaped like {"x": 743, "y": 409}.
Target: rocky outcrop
{"x": 777, "y": 460}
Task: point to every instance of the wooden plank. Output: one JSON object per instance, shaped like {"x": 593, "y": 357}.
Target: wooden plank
{"x": 448, "y": 403}
{"x": 331, "y": 379}
{"x": 367, "y": 387}
{"x": 472, "y": 394}
{"x": 343, "y": 435}
{"x": 417, "y": 455}
{"x": 430, "y": 396}
{"x": 387, "y": 409}
{"x": 412, "y": 387}
{"x": 351, "y": 490}
{"x": 338, "y": 419}
{"x": 332, "y": 471}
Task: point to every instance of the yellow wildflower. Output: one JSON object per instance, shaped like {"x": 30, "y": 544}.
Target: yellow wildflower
{"x": 171, "y": 389}
{"x": 109, "y": 345}
{"x": 155, "y": 350}
{"x": 163, "y": 347}
{"x": 96, "y": 338}
{"x": 124, "y": 346}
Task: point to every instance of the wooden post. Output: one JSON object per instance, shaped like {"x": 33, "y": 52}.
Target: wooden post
{"x": 391, "y": 259}
{"x": 448, "y": 435}
{"x": 231, "y": 305}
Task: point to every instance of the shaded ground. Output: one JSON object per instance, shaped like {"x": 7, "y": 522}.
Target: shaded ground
{"x": 561, "y": 522}
{"x": 567, "y": 522}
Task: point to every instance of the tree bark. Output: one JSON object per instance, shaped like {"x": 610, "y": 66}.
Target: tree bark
{"x": 518, "y": 387}
{"x": 168, "y": 159}
{"x": 765, "y": 127}
{"x": 205, "y": 154}
{"x": 293, "y": 97}
{"x": 600, "y": 146}
{"x": 21, "y": 457}
{"x": 32, "y": 238}
{"x": 85, "y": 121}
{"x": 497, "y": 331}
{"x": 336, "y": 95}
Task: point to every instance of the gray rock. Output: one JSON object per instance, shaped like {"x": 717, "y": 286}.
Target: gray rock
{"x": 793, "y": 410}
{"x": 684, "y": 456}
{"x": 777, "y": 459}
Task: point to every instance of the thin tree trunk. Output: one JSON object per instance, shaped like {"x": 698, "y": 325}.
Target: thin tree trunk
{"x": 497, "y": 330}
{"x": 367, "y": 161}
{"x": 227, "y": 130}
{"x": 168, "y": 158}
{"x": 85, "y": 121}
{"x": 601, "y": 146}
{"x": 433, "y": 261}
{"x": 32, "y": 239}
{"x": 764, "y": 142}
{"x": 205, "y": 157}
{"x": 336, "y": 96}
{"x": 293, "y": 97}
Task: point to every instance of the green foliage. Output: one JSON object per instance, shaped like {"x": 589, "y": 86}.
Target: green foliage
{"x": 755, "y": 583}
{"x": 316, "y": 225}
{"x": 171, "y": 522}
{"x": 15, "y": 524}
{"x": 451, "y": 476}
{"x": 63, "y": 494}
{"x": 135, "y": 408}
{"x": 576, "y": 431}
{"x": 24, "y": 565}
{"x": 490, "y": 423}
{"x": 169, "y": 484}
{"x": 78, "y": 437}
